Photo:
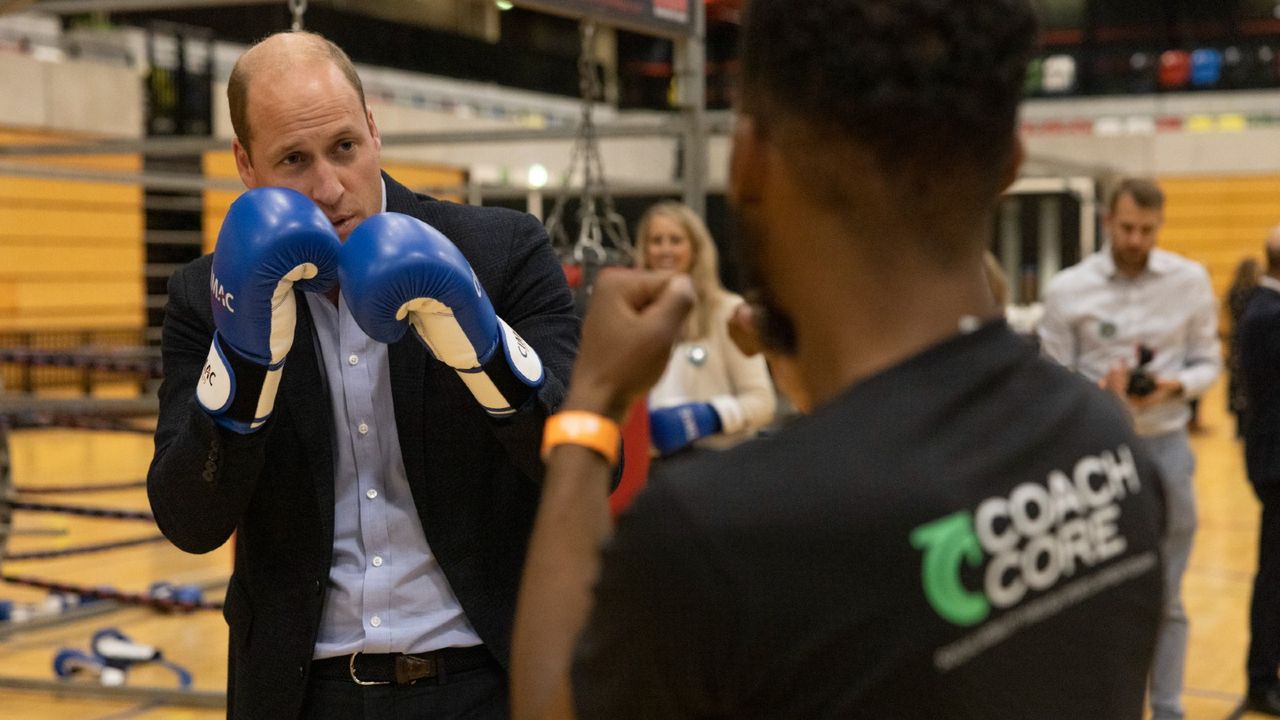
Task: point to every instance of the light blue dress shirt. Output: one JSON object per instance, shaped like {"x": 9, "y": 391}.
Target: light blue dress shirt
{"x": 386, "y": 591}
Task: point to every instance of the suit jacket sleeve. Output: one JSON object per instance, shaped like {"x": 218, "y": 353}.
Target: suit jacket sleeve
{"x": 537, "y": 304}
{"x": 1259, "y": 343}
{"x": 202, "y": 476}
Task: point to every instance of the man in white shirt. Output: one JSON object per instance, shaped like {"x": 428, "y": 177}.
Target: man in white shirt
{"x": 1102, "y": 316}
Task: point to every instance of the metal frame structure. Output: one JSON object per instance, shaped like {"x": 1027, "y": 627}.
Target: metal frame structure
{"x": 692, "y": 127}
{"x": 694, "y": 184}
{"x": 691, "y": 64}
{"x": 78, "y": 7}
{"x": 1049, "y": 258}
{"x": 1085, "y": 189}
{"x": 156, "y": 695}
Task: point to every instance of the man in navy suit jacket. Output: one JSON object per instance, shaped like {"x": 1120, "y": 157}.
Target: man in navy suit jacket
{"x": 1259, "y": 338}
{"x": 381, "y": 515}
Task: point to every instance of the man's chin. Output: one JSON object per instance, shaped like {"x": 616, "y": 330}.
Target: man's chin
{"x": 776, "y": 328}
{"x": 1133, "y": 261}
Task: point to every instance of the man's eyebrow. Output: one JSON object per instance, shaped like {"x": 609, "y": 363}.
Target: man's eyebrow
{"x": 287, "y": 148}
{"x": 295, "y": 144}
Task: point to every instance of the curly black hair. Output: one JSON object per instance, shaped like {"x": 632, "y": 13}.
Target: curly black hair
{"x": 922, "y": 84}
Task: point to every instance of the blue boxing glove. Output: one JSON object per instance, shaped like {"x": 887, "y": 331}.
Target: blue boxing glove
{"x": 673, "y": 428}
{"x": 398, "y": 272}
{"x": 271, "y": 239}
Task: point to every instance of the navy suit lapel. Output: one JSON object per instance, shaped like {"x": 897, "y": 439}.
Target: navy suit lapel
{"x": 402, "y": 200}
{"x": 408, "y": 361}
{"x": 305, "y": 391}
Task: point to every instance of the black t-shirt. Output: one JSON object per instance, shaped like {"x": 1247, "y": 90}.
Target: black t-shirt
{"x": 970, "y": 534}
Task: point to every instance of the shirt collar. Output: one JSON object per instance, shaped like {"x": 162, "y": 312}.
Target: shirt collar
{"x": 1158, "y": 262}
{"x": 1270, "y": 283}
{"x": 384, "y": 195}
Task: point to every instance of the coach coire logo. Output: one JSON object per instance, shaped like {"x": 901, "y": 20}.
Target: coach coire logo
{"x": 1037, "y": 536}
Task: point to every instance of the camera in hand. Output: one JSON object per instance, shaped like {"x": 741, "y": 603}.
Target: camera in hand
{"x": 1141, "y": 382}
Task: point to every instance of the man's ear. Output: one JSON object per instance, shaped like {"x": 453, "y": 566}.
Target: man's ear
{"x": 748, "y": 162}
{"x": 373, "y": 130}
{"x": 243, "y": 165}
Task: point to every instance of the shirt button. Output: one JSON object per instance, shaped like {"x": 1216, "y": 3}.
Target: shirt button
{"x": 377, "y": 561}
{"x": 353, "y": 359}
{"x": 375, "y": 621}
{"x": 364, "y": 428}
{"x": 371, "y": 493}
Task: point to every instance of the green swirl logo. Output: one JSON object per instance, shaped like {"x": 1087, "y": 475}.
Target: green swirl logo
{"x": 947, "y": 543}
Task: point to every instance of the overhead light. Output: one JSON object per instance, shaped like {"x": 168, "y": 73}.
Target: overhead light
{"x": 504, "y": 5}
{"x": 537, "y": 176}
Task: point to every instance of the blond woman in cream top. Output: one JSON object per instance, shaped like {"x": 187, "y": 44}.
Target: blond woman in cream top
{"x": 711, "y": 395}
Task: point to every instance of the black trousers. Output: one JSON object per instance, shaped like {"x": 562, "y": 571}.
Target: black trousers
{"x": 477, "y": 694}
{"x": 1264, "y": 613}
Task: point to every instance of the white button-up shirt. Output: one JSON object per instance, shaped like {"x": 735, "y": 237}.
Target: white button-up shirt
{"x": 1095, "y": 315}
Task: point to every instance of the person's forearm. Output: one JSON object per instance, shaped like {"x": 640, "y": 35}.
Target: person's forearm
{"x": 561, "y": 569}
{"x": 627, "y": 337}
{"x": 534, "y": 299}
{"x": 201, "y": 478}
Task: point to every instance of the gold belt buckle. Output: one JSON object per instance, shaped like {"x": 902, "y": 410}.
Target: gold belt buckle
{"x": 411, "y": 669}
{"x": 351, "y": 667}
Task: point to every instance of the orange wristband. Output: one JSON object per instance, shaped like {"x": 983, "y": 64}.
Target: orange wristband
{"x": 576, "y": 427}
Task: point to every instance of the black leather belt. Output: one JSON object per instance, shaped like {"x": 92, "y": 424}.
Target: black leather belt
{"x": 400, "y": 668}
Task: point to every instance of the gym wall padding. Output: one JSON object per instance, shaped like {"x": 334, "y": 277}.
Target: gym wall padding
{"x": 1219, "y": 220}
{"x": 71, "y": 252}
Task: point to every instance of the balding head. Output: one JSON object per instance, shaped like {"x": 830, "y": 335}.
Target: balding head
{"x": 274, "y": 56}
{"x": 1273, "y": 251}
{"x": 296, "y": 97}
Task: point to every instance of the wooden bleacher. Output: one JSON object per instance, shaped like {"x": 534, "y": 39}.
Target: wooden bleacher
{"x": 71, "y": 252}
{"x": 1218, "y": 221}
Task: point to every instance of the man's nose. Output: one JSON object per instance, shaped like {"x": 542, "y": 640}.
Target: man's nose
{"x": 326, "y": 187}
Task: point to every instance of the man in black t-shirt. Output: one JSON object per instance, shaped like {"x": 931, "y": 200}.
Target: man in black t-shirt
{"x": 960, "y": 529}
{"x": 929, "y": 543}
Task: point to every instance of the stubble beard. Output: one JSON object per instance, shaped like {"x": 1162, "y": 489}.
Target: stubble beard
{"x": 775, "y": 326}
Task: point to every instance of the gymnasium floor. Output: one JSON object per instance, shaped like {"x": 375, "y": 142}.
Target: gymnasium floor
{"x": 1216, "y": 589}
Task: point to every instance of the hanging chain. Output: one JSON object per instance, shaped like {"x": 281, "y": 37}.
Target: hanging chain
{"x": 298, "y": 8}
{"x": 589, "y": 234}
{"x": 600, "y": 227}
